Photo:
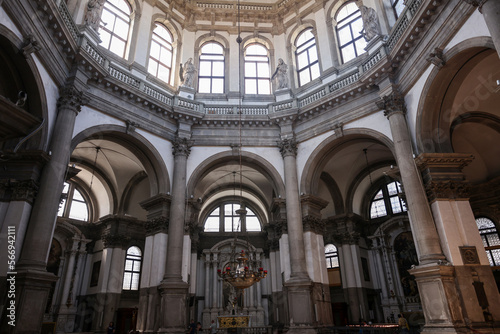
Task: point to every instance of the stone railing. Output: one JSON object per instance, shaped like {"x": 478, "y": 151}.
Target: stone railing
{"x": 70, "y": 24}
{"x": 124, "y": 77}
{"x": 188, "y": 104}
{"x": 315, "y": 96}
{"x": 157, "y": 94}
{"x": 93, "y": 53}
{"x": 282, "y": 106}
{"x": 342, "y": 82}
{"x": 373, "y": 60}
{"x": 403, "y": 23}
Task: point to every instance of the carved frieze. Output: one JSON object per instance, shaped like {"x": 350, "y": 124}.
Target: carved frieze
{"x": 287, "y": 147}
{"x": 447, "y": 189}
{"x": 347, "y": 238}
{"x": 469, "y": 255}
{"x": 156, "y": 225}
{"x": 477, "y": 3}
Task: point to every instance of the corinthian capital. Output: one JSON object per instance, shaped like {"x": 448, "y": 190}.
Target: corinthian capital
{"x": 392, "y": 103}
{"x": 71, "y": 98}
{"x": 477, "y": 3}
{"x": 181, "y": 146}
{"x": 287, "y": 147}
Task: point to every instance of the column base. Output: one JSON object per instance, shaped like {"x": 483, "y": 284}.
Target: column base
{"x": 300, "y": 306}
{"x": 301, "y": 330}
{"x": 174, "y": 308}
{"x": 30, "y": 294}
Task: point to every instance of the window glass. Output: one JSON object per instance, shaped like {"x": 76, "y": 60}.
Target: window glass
{"x": 332, "y": 256}
{"x": 257, "y": 80}
{"x": 225, "y": 215}
{"x": 388, "y": 200}
{"x": 132, "y": 270}
{"x": 349, "y": 27}
{"x": 160, "y": 54}
{"x": 306, "y": 57}
{"x": 73, "y": 205}
{"x": 114, "y": 26}
{"x": 491, "y": 241}
{"x": 211, "y": 71}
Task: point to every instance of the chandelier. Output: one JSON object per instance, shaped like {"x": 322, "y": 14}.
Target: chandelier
{"x": 242, "y": 276}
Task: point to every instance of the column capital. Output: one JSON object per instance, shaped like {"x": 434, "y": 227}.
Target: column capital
{"x": 281, "y": 227}
{"x": 71, "y": 98}
{"x": 288, "y": 147}
{"x": 156, "y": 225}
{"x": 115, "y": 240}
{"x": 347, "y": 238}
{"x": 392, "y": 104}
{"x": 181, "y": 146}
{"x": 450, "y": 189}
{"x": 23, "y": 190}
{"x": 314, "y": 224}
{"x": 477, "y": 3}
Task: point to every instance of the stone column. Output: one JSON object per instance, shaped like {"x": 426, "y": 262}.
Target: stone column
{"x": 32, "y": 281}
{"x": 173, "y": 289}
{"x": 422, "y": 224}
{"x": 474, "y": 297}
{"x": 298, "y": 287}
{"x": 491, "y": 12}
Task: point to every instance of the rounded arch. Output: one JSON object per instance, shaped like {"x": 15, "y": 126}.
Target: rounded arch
{"x": 432, "y": 122}
{"x": 159, "y": 181}
{"x": 247, "y": 158}
{"x": 210, "y": 38}
{"x": 319, "y": 157}
{"x": 24, "y": 76}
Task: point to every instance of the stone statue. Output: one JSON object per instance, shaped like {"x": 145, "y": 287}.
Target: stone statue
{"x": 187, "y": 73}
{"x": 281, "y": 74}
{"x": 93, "y": 14}
{"x": 371, "y": 26}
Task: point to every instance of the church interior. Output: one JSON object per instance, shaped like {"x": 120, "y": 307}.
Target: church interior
{"x": 272, "y": 166}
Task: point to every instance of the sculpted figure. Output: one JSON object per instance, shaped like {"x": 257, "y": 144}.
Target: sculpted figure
{"x": 93, "y": 15}
{"x": 371, "y": 27}
{"x": 281, "y": 74}
{"x": 187, "y": 73}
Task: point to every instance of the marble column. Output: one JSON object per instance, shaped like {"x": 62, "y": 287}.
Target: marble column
{"x": 421, "y": 220}
{"x": 32, "y": 281}
{"x": 491, "y": 12}
{"x": 173, "y": 289}
{"x": 298, "y": 287}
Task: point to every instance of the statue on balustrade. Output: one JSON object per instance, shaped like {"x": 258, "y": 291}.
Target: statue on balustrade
{"x": 187, "y": 73}
{"x": 371, "y": 26}
{"x": 93, "y": 14}
{"x": 281, "y": 74}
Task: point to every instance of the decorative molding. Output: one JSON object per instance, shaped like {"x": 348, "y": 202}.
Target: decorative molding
{"x": 469, "y": 255}
{"x": 437, "y": 58}
{"x": 24, "y": 190}
{"x": 71, "y": 98}
{"x": 314, "y": 224}
{"x": 115, "y": 240}
{"x": 30, "y": 46}
{"x": 347, "y": 238}
{"x": 288, "y": 147}
{"x": 477, "y": 3}
{"x": 443, "y": 160}
{"x": 447, "y": 189}
{"x": 392, "y": 103}
{"x": 181, "y": 146}
{"x": 131, "y": 126}
{"x": 281, "y": 228}
{"x": 156, "y": 225}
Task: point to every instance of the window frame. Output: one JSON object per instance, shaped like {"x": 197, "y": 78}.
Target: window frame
{"x": 486, "y": 241}
{"x": 298, "y": 52}
{"x": 394, "y": 5}
{"x": 164, "y": 45}
{"x": 386, "y": 198}
{"x": 347, "y": 22}
{"x": 117, "y": 13}
{"x": 257, "y": 77}
{"x": 332, "y": 255}
{"x": 222, "y": 218}
{"x": 67, "y": 201}
{"x": 133, "y": 258}
{"x": 206, "y": 57}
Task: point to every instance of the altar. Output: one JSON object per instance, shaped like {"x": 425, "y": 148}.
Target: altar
{"x": 233, "y": 321}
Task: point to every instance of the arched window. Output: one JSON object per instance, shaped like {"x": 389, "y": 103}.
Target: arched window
{"x": 224, "y": 218}
{"x": 349, "y": 27}
{"x": 332, "y": 256}
{"x": 115, "y": 26}
{"x": 387, "y": 201}
{"x": 160, "y": 54}
{"x": 132, "y": 271}
{"x": 73, "y": 204}
{"x": 211, "y": 74}
{"x": 306, "y": 55}
{"x": 491, "y": 240}
{"x": 397, "y": 7}
{"x": 257, "y": 70}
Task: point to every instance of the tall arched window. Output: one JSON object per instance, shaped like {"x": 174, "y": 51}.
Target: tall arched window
{"x": 257, "y": 70}
{"x": 160, "y": 54}
{"x": 349, "y": 28}
{"x": 387, "y": 201}
{"x": 132, "y": 271}
{"x": 73, "y": 204}
{"x": 306, "y": 55}
{"x": 491, "y": 240}
{"x": 397, "y": 7}
{"x": 332, "y": 256}
{"x": 224, "y": 218}
{"x": 115, "y": 26}
{"x": 211, "y": 73}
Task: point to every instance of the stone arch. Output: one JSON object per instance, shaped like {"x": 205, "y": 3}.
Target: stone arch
{"x": 318, "y": 158}
{"x": 433, "y": 123}
{"x": 156, "y": 170}
{"x": 34, "y": 136}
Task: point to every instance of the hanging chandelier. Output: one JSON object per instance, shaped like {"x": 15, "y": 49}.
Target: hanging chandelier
{"x": 242, "y": 276}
